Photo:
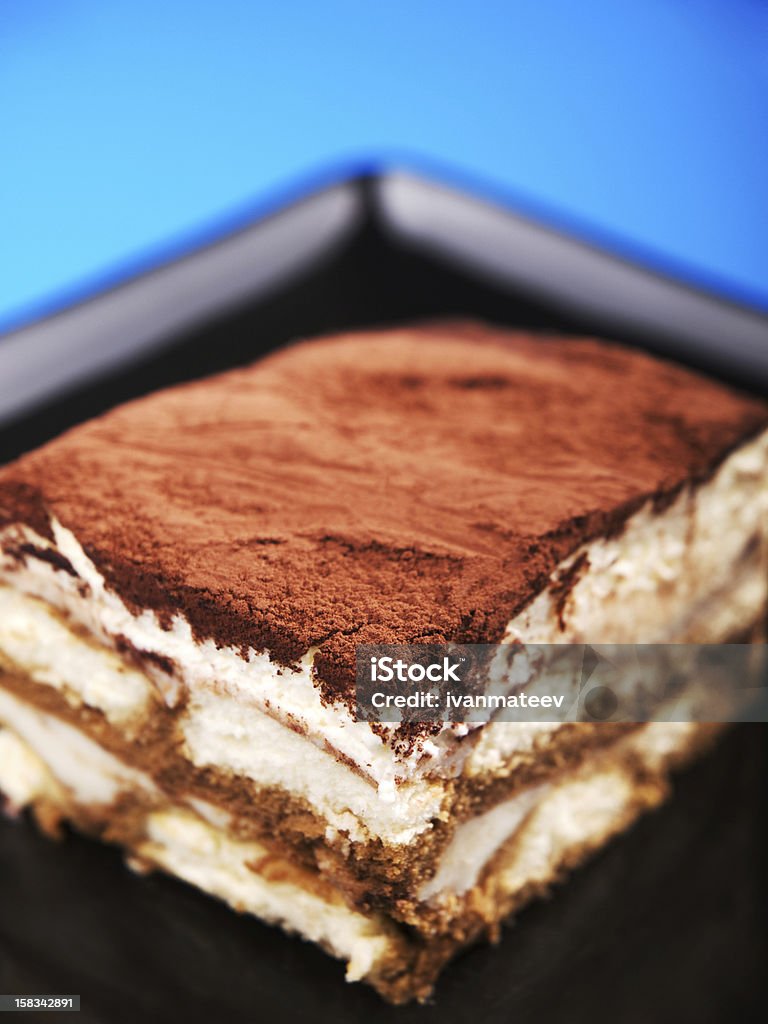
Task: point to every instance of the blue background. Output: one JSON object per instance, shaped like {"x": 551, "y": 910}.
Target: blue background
{"x": 130, "y": 130}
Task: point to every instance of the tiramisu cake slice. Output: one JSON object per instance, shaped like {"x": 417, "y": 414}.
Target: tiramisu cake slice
{"x": 185, "y": 581}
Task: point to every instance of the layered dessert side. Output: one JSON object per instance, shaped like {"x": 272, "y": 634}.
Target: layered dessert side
{"x": 185, "y": 581}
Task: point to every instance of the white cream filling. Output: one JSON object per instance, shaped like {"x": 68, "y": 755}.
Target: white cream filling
{"x": 557, "y": 817}
{"x": 585, "y": 812}
{"x": 193, "y": 850}
{"x": 640, "y": 585}
{"x": 475, "y": 842}
{"x": 43, "y": 646}
{"x": 223, "y": 731}
{"x": 24, "y": 777}
{"x": 90, "y": 773}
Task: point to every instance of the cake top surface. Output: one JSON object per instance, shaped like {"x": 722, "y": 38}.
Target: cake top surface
{"x": 390, "y": 487}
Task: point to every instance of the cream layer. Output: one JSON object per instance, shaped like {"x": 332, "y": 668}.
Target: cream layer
{"x": 555, "y": 817}
{"x": 33, "y": 635}
{"x": 88, "y": 773}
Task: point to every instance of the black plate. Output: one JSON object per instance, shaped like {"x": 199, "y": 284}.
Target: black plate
{"x": 668, "y": 924}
